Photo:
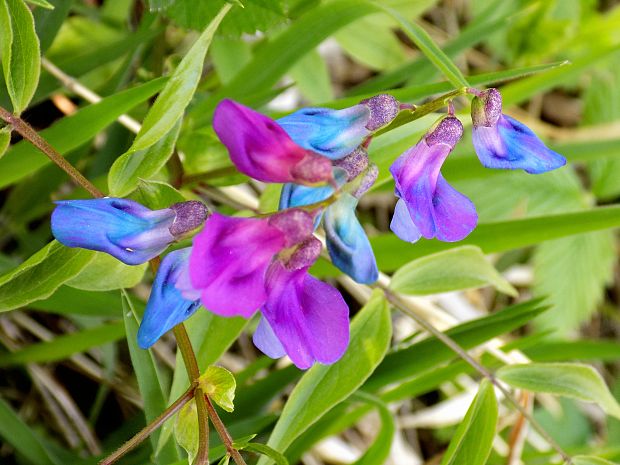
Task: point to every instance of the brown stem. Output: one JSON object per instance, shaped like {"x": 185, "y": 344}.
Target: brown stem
{"x": 223, "y": 432}
{"x": 456, "y": 348}
{"x": 189, "y": 357}
{"x": 28, "y": 133}
{"x": 148, "y": 429}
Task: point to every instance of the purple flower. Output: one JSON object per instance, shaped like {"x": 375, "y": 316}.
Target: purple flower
{"x": 166, "y": 306}
{"x": 336, "y": 133}
{"x": 230, "y": 258}
{"x": 503, "y": 142}
{"x": 123, "y": 228}
{"x": 428, "y": 206}
{"x": 261, "y": 149}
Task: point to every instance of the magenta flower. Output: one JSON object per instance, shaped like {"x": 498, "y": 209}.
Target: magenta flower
{"x": 240, "y": 265}
{"x": 428, "y": 206}
{"x": 503, "y": 142}
{"x": 261, "y": 149}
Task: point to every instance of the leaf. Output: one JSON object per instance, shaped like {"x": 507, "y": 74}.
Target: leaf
{"x": 186, "y": 429}
{"x": 324, "y": 386}
{"x": 68, "y": 300}
{"x": 501, "y": 236}
{"x": 148, "y": 377}
{"x": 42, "y": 4}
{"x": 264, "y": 449}
{"x": 17, "y": 433}
{"x": 40, "y": 275}
{"x": 456, "y": 269}
{"x": 590, "y": 460}
{"x": 19, "y": 49}
{"x": 379, "y": 450}
{"x": 65, "y": 346}
{"x": 564, "y": 379}
{"x": 179, "y": 90}
{"x": 105, "y": 273}
{"x": 547, "y": 351}
{"x": 424, "y": 42}
{"x": 156, "y": 195}
{"x": 312, "y": 78}
{"x": 472, "y": 441}
{"x": 5, "y": 139}
{"x": 429, "y": 353}
{"x": 72, "y": 131}
{"x": 219, "y": 384}
{"x": 134, "y": 165}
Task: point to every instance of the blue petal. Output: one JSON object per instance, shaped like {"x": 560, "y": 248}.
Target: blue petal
{"x": 512, "y": 145}
{"x": 123, "y": 228}
{"x": 402, "y": 225}
{"x": 347, "y": 242}
{"x": 267, "y": 342}
{"x": 166, "y": 307}
{"x": 331, "y": 133}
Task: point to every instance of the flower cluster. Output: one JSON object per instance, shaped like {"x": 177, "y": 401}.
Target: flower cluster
{"x": 237, "y": 266}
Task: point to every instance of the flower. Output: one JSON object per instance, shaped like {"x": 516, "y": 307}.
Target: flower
{"x": 347, "y": 243}
{"x": 428, "y": 206}
{"x": 261, "y": 149}
{"x": 166, "y": 306}
{"x": 230, "y": 258}
{"x": 241, "y": 265}
{"x": 336, "y": 133}
{"x": 503, "y": 142}
{"x": 123, "y": 228}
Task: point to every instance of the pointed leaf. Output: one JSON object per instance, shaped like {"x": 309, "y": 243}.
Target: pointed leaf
{"x": 105, "y": 273}
{"x": 219, "y": 384}
{"x": 590, "y": 460}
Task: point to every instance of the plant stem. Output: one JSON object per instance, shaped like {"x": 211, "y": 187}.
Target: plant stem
{"x": 223, "y": 432}
{"x": 189, "y": 357}
{"x": 28, "y": 133}
{"x": 453, "y": 345}
{"x": 148, "y": 429}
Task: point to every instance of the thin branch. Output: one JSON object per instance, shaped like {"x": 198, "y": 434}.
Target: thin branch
{"x": 223, "y": 432}
{"x": 28, "y": 133}
{"x": 148, "y": 429}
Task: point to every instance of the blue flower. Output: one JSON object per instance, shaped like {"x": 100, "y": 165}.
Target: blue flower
{"x": 167, "y": 306}
{"x": 503, "y": 142}
{"x": 336, "y": 133}
{"x": 123, "y": 228}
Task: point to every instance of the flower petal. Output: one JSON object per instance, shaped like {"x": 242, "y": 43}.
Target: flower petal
{"x": 166, "y": 306}
{"x": 453, "y": 213}
{"x": 511, "y": 145}
{"x": 331, "y": 133}
{"x": 261, "y": 149}
{"x": 347, "y": 242}
{"x": 123, "y": 228}
{"x": 266, "y": 340}
{"x": 402, "y": 225}
{"x": 229, "y": 260}
{"x": 309, "y": 317}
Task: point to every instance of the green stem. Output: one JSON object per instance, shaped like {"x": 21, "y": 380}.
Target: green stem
{"x": 457, "y": 349}
{"x": 189, "y": 357}
{"x": 148, "y": 429}
{"x": 28, "y": 133}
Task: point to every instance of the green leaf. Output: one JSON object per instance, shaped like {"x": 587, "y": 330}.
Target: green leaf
{"x": 312, "y": 78}
{"x": 186, "y": 429}
{"x": 42, "y": 3}
{"x": 456, "y": 269}
{"x": 65, "y": 346}
{"x": 219, "y": 384}
{"x": 502, "y": 236}
{"x": 472, "y": 441}
{"x": 19, "y": 49}
{"x": 105, "y": 273}
{"x": 72, "y": 131}
{"x": 40, "y": 275}
{"x": 148, "y": 376}
{"x": 424, "y": 42}
{"x": 267, "y": 451}
{"x": 564, "y": 379}
{"x": 156, "y": 195}
{"x": 68, "y": 300}
{"x": 379, "y": 450}
{"x": 324, "y": 386}
{"x": 429, "y": 353}
{"x": 134, "y": 165}
{"x": 174, "y": 98}
{"x": 5, "y": 139}
{"x": 17, "y": 433}
{"x": 548, "y": 351}
{"x": 590, "y": 460}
